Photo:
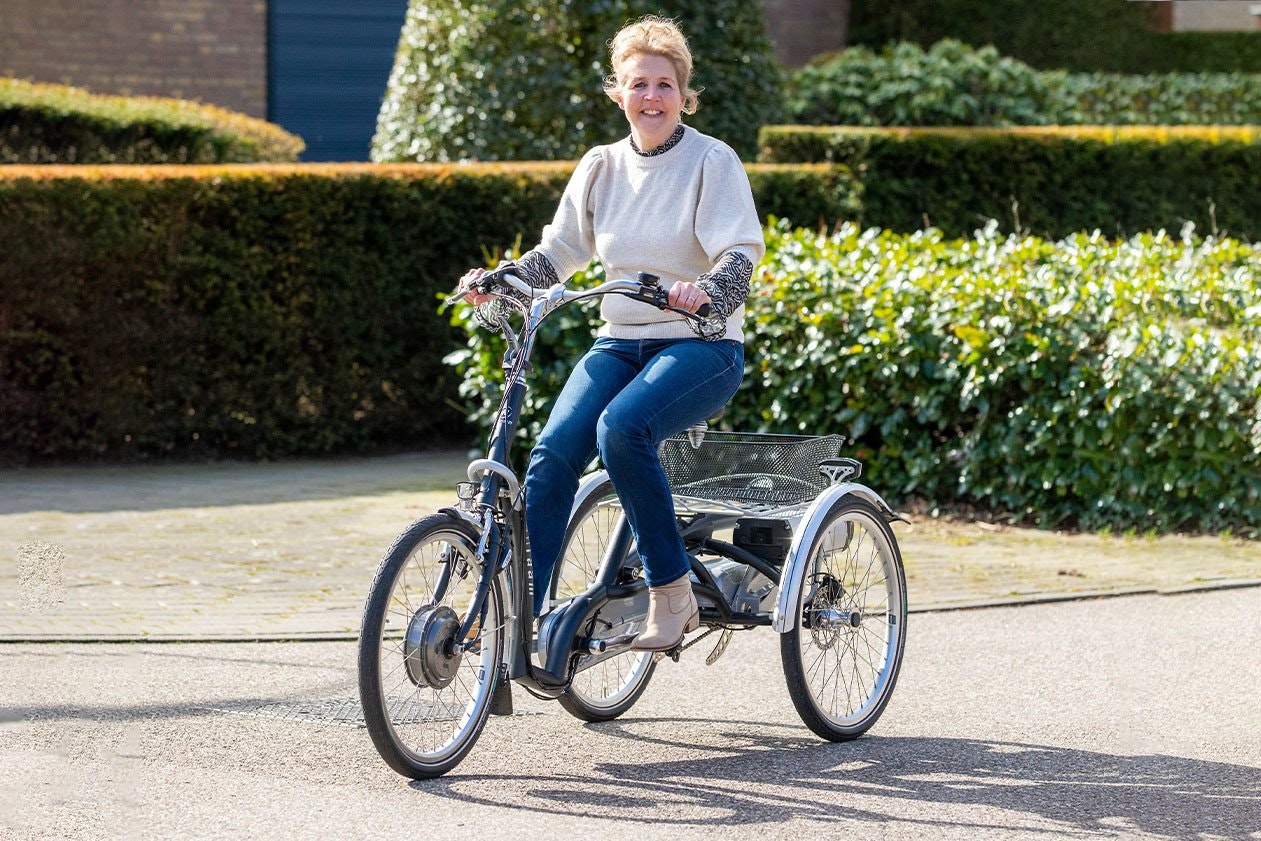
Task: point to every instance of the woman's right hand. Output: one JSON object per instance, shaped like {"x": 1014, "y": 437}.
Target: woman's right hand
{"x": 470, "y": 293}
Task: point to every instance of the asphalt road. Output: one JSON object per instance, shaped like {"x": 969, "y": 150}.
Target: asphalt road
{"x": 1135, "y": 717}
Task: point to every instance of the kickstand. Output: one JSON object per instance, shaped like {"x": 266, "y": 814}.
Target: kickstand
{"x": 501, "y": 701}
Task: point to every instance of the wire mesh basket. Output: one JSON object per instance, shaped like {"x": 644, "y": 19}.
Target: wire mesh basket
{"x": 748, "y": 468}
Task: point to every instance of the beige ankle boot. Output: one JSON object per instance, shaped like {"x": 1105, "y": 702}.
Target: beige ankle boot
{"x": 672, "y": 612}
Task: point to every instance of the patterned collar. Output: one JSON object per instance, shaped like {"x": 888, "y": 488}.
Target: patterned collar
{"x": 664, "y": 147}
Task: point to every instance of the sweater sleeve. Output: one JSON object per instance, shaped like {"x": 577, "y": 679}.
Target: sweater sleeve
{"x": 568, "y": 243}
{"x": 728, "y": 228}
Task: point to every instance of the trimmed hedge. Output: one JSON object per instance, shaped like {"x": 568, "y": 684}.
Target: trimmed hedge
{"x": 261, "y": 311}
{"x": 1078, "y": 35}
{"x": 1053, "y": 180}
{"x": 952, "y": 84}
{"x": 52, "y": 124}
{"x": 1082, "y": 382}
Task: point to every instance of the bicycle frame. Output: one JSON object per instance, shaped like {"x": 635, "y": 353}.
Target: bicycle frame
{"x": 500, "y": 503}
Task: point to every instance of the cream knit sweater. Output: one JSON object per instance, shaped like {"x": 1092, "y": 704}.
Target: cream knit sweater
{"x": 674, "y": 214}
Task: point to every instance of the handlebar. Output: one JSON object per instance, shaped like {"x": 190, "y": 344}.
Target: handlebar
{"x": 647, "y": 288}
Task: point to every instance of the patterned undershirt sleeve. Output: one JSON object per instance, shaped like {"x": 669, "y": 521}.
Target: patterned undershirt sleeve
{"x": 537, "y": 270}
{"x": 727, "y": 283}
{"x": 534, "y": 269}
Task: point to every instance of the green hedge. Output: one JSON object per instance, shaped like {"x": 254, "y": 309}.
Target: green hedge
{"x": 1079, "y": 35}
{"x": 261, "y": 311}
{"x": 952, "y": 84}
{"x": 1053, "y": 180}
{"x": 521, "y": 79}
{"x": 51, "y": 124}
{"x": 1082, "y": 382}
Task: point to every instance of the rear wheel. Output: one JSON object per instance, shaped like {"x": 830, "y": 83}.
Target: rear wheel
{"x": 425, "y": 701}
{"x": 842, "y": 657}
{"x": 607, "y": 688}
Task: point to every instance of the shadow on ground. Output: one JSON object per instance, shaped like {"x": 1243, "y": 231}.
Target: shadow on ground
{"x": 964, "y": 783}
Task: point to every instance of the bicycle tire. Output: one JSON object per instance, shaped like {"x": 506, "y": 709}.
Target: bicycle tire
{"x": 842, "y": 656}
{"x": 407, "y": 677}
{"x": 610, "y": 687}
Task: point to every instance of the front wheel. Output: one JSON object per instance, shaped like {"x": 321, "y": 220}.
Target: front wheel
{"x": 842, "y": 656}
{"x": 425, "y": 694}
{"x": 608, "y": 688}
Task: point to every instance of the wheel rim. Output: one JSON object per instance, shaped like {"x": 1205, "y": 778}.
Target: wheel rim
{"x": 604, "y": 684}
{"x": 433, "y": 697}
{"x": 851, "y": 620}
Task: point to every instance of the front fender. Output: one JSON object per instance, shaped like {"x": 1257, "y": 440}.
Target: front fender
{"x": 793, "y": 577}
{"x": 588, "y": 484}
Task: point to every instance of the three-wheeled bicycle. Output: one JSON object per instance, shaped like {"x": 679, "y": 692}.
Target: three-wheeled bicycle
{"x": 778, "y": 531}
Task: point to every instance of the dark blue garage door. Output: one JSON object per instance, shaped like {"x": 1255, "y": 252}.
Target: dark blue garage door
{"x": 328, "y": 63}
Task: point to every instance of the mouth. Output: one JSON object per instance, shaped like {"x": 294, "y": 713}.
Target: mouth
{"x": 652, "y": 113}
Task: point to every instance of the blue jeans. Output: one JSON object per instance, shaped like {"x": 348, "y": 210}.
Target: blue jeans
{"x": 623, "y": 399}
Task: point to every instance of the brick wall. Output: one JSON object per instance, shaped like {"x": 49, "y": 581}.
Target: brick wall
{"x": 213, "y": 51}
{"x": 801, "y": 29}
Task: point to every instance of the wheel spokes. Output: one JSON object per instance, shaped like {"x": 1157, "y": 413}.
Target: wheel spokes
{"x": 846, "y": 651}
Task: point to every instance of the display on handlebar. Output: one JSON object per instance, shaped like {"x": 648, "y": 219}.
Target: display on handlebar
{"x": 659, "y": 296}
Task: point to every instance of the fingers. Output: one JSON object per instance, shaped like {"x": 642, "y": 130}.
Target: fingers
{"x": 687, "y": 296}
{"x": 471, "y": 277}
{"x": 466, "y": 287}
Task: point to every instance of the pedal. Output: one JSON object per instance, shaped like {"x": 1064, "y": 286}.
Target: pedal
{"x": 501, "y": 701}
{"x": 720, "y": 648}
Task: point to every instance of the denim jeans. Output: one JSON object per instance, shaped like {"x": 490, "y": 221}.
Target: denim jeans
{"x": 623, "y": 399}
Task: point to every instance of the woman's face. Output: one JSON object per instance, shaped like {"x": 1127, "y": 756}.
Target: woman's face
{"x": 648, "y": 91}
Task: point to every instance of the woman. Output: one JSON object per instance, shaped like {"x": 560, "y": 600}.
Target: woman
{"x": 676, "y": 203}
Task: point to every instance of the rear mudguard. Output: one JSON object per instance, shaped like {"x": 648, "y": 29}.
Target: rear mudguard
{"x": 790, "y": 582}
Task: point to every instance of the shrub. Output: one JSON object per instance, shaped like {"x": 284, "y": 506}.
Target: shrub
{"x": 1076, "y": 35}
{"x": 1050, "y": 180}
{"x": 950, "y": 84}
{"x": 1080, "y": 382}
{"x": 261, "y": 311}
{"x": 48, "y": 124}
{"x": 953, "y": 84}
{"x": 499, "y": 80}
{"x": 1170, "y": 99}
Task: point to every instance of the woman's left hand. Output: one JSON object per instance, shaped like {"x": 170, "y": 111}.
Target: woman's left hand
{"x": 688, "y": 296}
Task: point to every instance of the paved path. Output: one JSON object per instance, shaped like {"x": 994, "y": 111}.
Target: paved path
{"x": 276, "y": 551}
{"x": 1129, "y": 718}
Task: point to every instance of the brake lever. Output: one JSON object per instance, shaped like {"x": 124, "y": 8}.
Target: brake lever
{"x": 483, "y": 284}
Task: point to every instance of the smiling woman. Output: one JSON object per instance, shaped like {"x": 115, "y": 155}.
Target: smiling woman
{"x": 671, "y": 202}
{"x": 651, "y": 80}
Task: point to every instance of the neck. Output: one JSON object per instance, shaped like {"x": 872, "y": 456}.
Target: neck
{"x": 647, "y": 144}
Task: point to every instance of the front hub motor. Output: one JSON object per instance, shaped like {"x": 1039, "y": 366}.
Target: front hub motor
{"x": 429, "y": 647}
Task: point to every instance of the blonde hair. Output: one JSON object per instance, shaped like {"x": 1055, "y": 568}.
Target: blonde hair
{"x": 653, "y": 35}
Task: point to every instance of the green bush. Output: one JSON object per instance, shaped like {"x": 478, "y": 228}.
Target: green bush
{"x": 1169, "y": 99}
{"x": 1050, "y": 180}
{"x": 50, "y": 124}
{"x": 1082, "y": 382}
{"x": 500, "y": 80}
{"x": 952, "y": 84}
{"x": 1077, "y": 35}
{"x": 261, "y": 311}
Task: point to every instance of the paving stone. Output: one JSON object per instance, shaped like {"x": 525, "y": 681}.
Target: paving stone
{"x": 288, "y": 550}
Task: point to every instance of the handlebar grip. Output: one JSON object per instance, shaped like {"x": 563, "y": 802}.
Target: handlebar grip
{"x": 704, "y": 310}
